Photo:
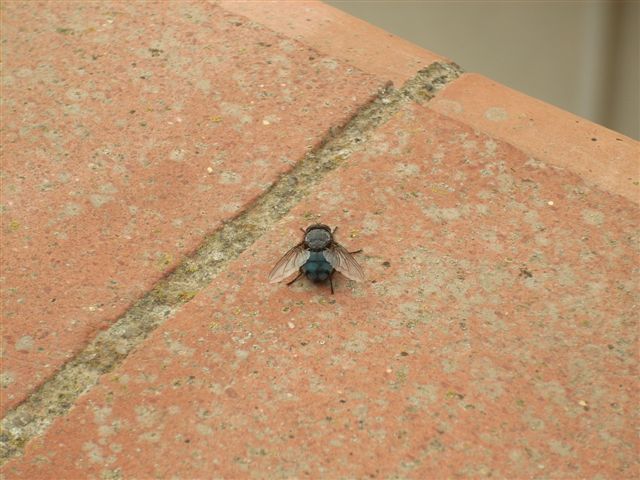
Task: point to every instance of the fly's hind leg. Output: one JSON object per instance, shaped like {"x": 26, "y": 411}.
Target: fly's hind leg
{"x": 357, "y": 251}
{"x": 297, "y": 277}
{"x": 331, "y": 281}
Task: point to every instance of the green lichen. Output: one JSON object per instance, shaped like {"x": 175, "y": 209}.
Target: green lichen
{"x": 65, "y": 31}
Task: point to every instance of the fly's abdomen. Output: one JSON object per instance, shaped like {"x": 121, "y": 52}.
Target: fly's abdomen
{"x": 317, "y": 268}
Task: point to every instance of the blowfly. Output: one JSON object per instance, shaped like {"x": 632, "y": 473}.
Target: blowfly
{"x": 317, "y": 256}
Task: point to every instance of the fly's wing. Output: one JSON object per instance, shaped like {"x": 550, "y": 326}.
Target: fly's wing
{"x": 343, "y": 261}
{"x": 289, "y": 263}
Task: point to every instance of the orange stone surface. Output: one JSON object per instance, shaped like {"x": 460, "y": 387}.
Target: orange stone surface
{"x": 336, "y": 33}
{"x": 129, "y": 132}
{"x": 601, "y": 156}
{"x": 496, "y": 334}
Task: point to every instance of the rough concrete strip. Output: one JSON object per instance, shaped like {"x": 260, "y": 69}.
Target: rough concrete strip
{"x": 56, "y": 396}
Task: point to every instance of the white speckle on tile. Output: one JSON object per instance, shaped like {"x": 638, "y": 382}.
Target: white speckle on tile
{"x": 99, "y": 200}
{"x": 450, "y": 106}
{"x": 593, "y": 217}
{"x": 6, "y": 379}
{"x": 76, "y": 94}
{"x": 177, "y": 155}
{"x": 24, "y": 344}
{"x": 496, "y": 114}
{"x": 227, "y": 178}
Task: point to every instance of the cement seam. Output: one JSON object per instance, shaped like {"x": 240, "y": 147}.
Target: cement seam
{"x": 108, "y": 349}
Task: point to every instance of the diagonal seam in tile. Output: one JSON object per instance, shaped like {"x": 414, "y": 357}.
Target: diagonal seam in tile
{"x": 58, "y": 394}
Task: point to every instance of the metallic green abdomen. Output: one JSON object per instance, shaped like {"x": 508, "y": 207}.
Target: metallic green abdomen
{"x": 317, "y": 268}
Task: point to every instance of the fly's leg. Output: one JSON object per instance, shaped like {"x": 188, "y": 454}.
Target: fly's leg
{"x": 331, "y": 281}
{"x": 297, "y": 277}
{"x": 334, "y": 232}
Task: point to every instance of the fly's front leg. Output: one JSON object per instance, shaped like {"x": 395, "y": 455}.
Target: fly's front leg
{"x": 334, "y": 232}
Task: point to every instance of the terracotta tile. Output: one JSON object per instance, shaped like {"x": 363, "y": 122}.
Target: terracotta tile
{"x": 602, "y": 157}
{"x": 338, "y": 34}
{"x": 130, "y": 130}
{"x": 495, "y": 336}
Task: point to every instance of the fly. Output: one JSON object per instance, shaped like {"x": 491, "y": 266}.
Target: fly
{"x": 317, "y": 256}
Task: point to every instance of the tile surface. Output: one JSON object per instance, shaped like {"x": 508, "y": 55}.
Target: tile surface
{"x": 337, "y": 33}
{"x": 601, "y": 156}
{"x": 130, "y": 130}
{"x": 495, "y": 335}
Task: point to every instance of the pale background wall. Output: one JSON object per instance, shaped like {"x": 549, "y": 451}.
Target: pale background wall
{"x": 582, "y": 56}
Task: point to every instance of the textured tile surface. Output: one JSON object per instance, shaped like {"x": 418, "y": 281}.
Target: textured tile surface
{"x": 601, "y": 156}
{"x": 337, "y": 33}
{"x": 495, "y": 336}
{"x": 130, "y": 130}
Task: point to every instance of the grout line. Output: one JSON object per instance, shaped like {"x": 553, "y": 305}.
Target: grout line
{"x": 109, "y": 348}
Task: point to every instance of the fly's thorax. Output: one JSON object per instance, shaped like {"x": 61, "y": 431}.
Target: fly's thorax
{"x": 317, "y": 238}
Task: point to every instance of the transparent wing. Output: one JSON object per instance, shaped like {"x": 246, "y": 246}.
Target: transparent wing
{"x": 343, "y": 261}
{"x": 289, "y": 263}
